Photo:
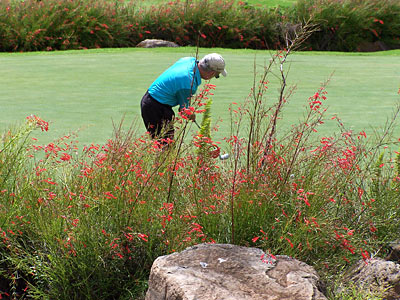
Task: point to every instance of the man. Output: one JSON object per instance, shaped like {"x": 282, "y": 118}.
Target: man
{"x": 175, "y": 87}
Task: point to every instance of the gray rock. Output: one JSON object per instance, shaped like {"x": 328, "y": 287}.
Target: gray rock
{"x": 376, "y": 276}
{"x": 394, "y": 251}
{"x": 228, "y": 272}
{"x": 154, "y": 43}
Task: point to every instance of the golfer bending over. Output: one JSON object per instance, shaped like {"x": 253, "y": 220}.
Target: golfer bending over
{"x": 175, "y": 87}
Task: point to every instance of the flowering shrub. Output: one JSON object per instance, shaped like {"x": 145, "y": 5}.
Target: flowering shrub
{"x": 60, "y": 25}
{"x": 347, "y": 25}
{"x": 33, "y": 25}
{"x": 76, "y": 223}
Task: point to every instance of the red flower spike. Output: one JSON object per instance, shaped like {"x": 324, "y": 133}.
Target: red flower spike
{"x": 65, "y": 157}
{"x": 44, "y": 126}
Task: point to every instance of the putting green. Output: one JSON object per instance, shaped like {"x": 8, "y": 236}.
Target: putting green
{"x": 88, "y": 90}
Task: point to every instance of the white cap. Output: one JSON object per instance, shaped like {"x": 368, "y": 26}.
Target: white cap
{"x": 215, "y": 62}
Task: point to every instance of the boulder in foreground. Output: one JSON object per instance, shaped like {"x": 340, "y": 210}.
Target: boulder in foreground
{"x": 228, "y": 272}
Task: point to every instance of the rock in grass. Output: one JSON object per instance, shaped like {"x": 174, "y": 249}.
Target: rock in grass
{"x": 154, "y": 43}
{"x": 394, "y": 251}
{"x": 375, "y": 276}
{"x": 228, "y": 272}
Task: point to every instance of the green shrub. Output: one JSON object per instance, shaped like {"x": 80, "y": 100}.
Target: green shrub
{"x": 209, "y": 24}
{"x": 59, "y": 25}
{"x": 345, "y": 25}
{"x": 79, "y": 223}
{"x": 77, "y": 24}
{"x": 88, "y": 223}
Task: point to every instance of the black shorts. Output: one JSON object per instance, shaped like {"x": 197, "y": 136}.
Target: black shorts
{"x": 157, "y": 117}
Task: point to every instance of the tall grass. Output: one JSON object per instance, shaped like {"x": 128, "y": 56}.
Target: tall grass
{"x": 88, "y": 223}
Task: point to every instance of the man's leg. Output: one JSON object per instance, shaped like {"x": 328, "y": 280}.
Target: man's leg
{"x": 157, "y": 117}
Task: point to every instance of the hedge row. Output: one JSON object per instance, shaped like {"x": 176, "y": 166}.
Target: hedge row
{"x": 344, "y": 25}
{"x": 347, "y": 25}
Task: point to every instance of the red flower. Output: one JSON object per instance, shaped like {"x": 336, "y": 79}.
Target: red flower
{"x": 374, "y": 32}
{"x": 365, "y": 255}
{"x": 215, "y": 153}
{"x": 290, "y": 243}
{"x": 143, "y": 236}
{"x": 44, "y": 126}
{"x": 49, "y": 181}
{"x": 65, "y": 157}
{"x": 109, "y": 195}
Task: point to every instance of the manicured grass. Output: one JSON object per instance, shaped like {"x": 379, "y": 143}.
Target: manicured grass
{"x": 88, "y": 89}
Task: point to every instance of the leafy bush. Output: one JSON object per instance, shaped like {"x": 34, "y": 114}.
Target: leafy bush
{"x": 79, "y": 223}
{"x": 347, "y": 24}
{"x": 33, "y": 25}
{"x": 59, "y": 25}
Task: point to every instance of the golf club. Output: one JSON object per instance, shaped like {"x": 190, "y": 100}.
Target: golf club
{"x": 195, "y": 122}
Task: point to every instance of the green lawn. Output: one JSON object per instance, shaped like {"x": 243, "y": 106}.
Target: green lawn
{"x": 88, "y": 89}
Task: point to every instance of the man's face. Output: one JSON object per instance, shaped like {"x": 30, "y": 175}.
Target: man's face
{"x": 209, "y": 75}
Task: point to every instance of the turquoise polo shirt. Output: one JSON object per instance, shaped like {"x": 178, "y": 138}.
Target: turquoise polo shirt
{"x": 177, "y": 84}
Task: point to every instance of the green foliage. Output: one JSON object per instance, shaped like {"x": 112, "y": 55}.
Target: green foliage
{"x": 205, "y": 131}
{"x": 78, "y": 24}
{"x": 397, "y": 163}
{"x": 347, "y": 25}
{"x": 342, "y": 290}
{"x": 12, "y": 156}
{"x": 377, "y": 176}
{"x": 88, "y": 223}
{"x": 59, "y": 25}
{"x": 205, "y": 127}
{"x": 91, "y": 222}
{"x": 270, "y": 3}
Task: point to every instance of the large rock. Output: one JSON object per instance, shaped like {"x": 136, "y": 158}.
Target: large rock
{"x": 394, "y": 254}
{"x": 376, "y": 276}
{"x": 227, "y": 272}
{"x": 154, "y": 43}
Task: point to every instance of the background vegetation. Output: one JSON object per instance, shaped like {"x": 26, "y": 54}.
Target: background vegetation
{"x": 345, "y": 25}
